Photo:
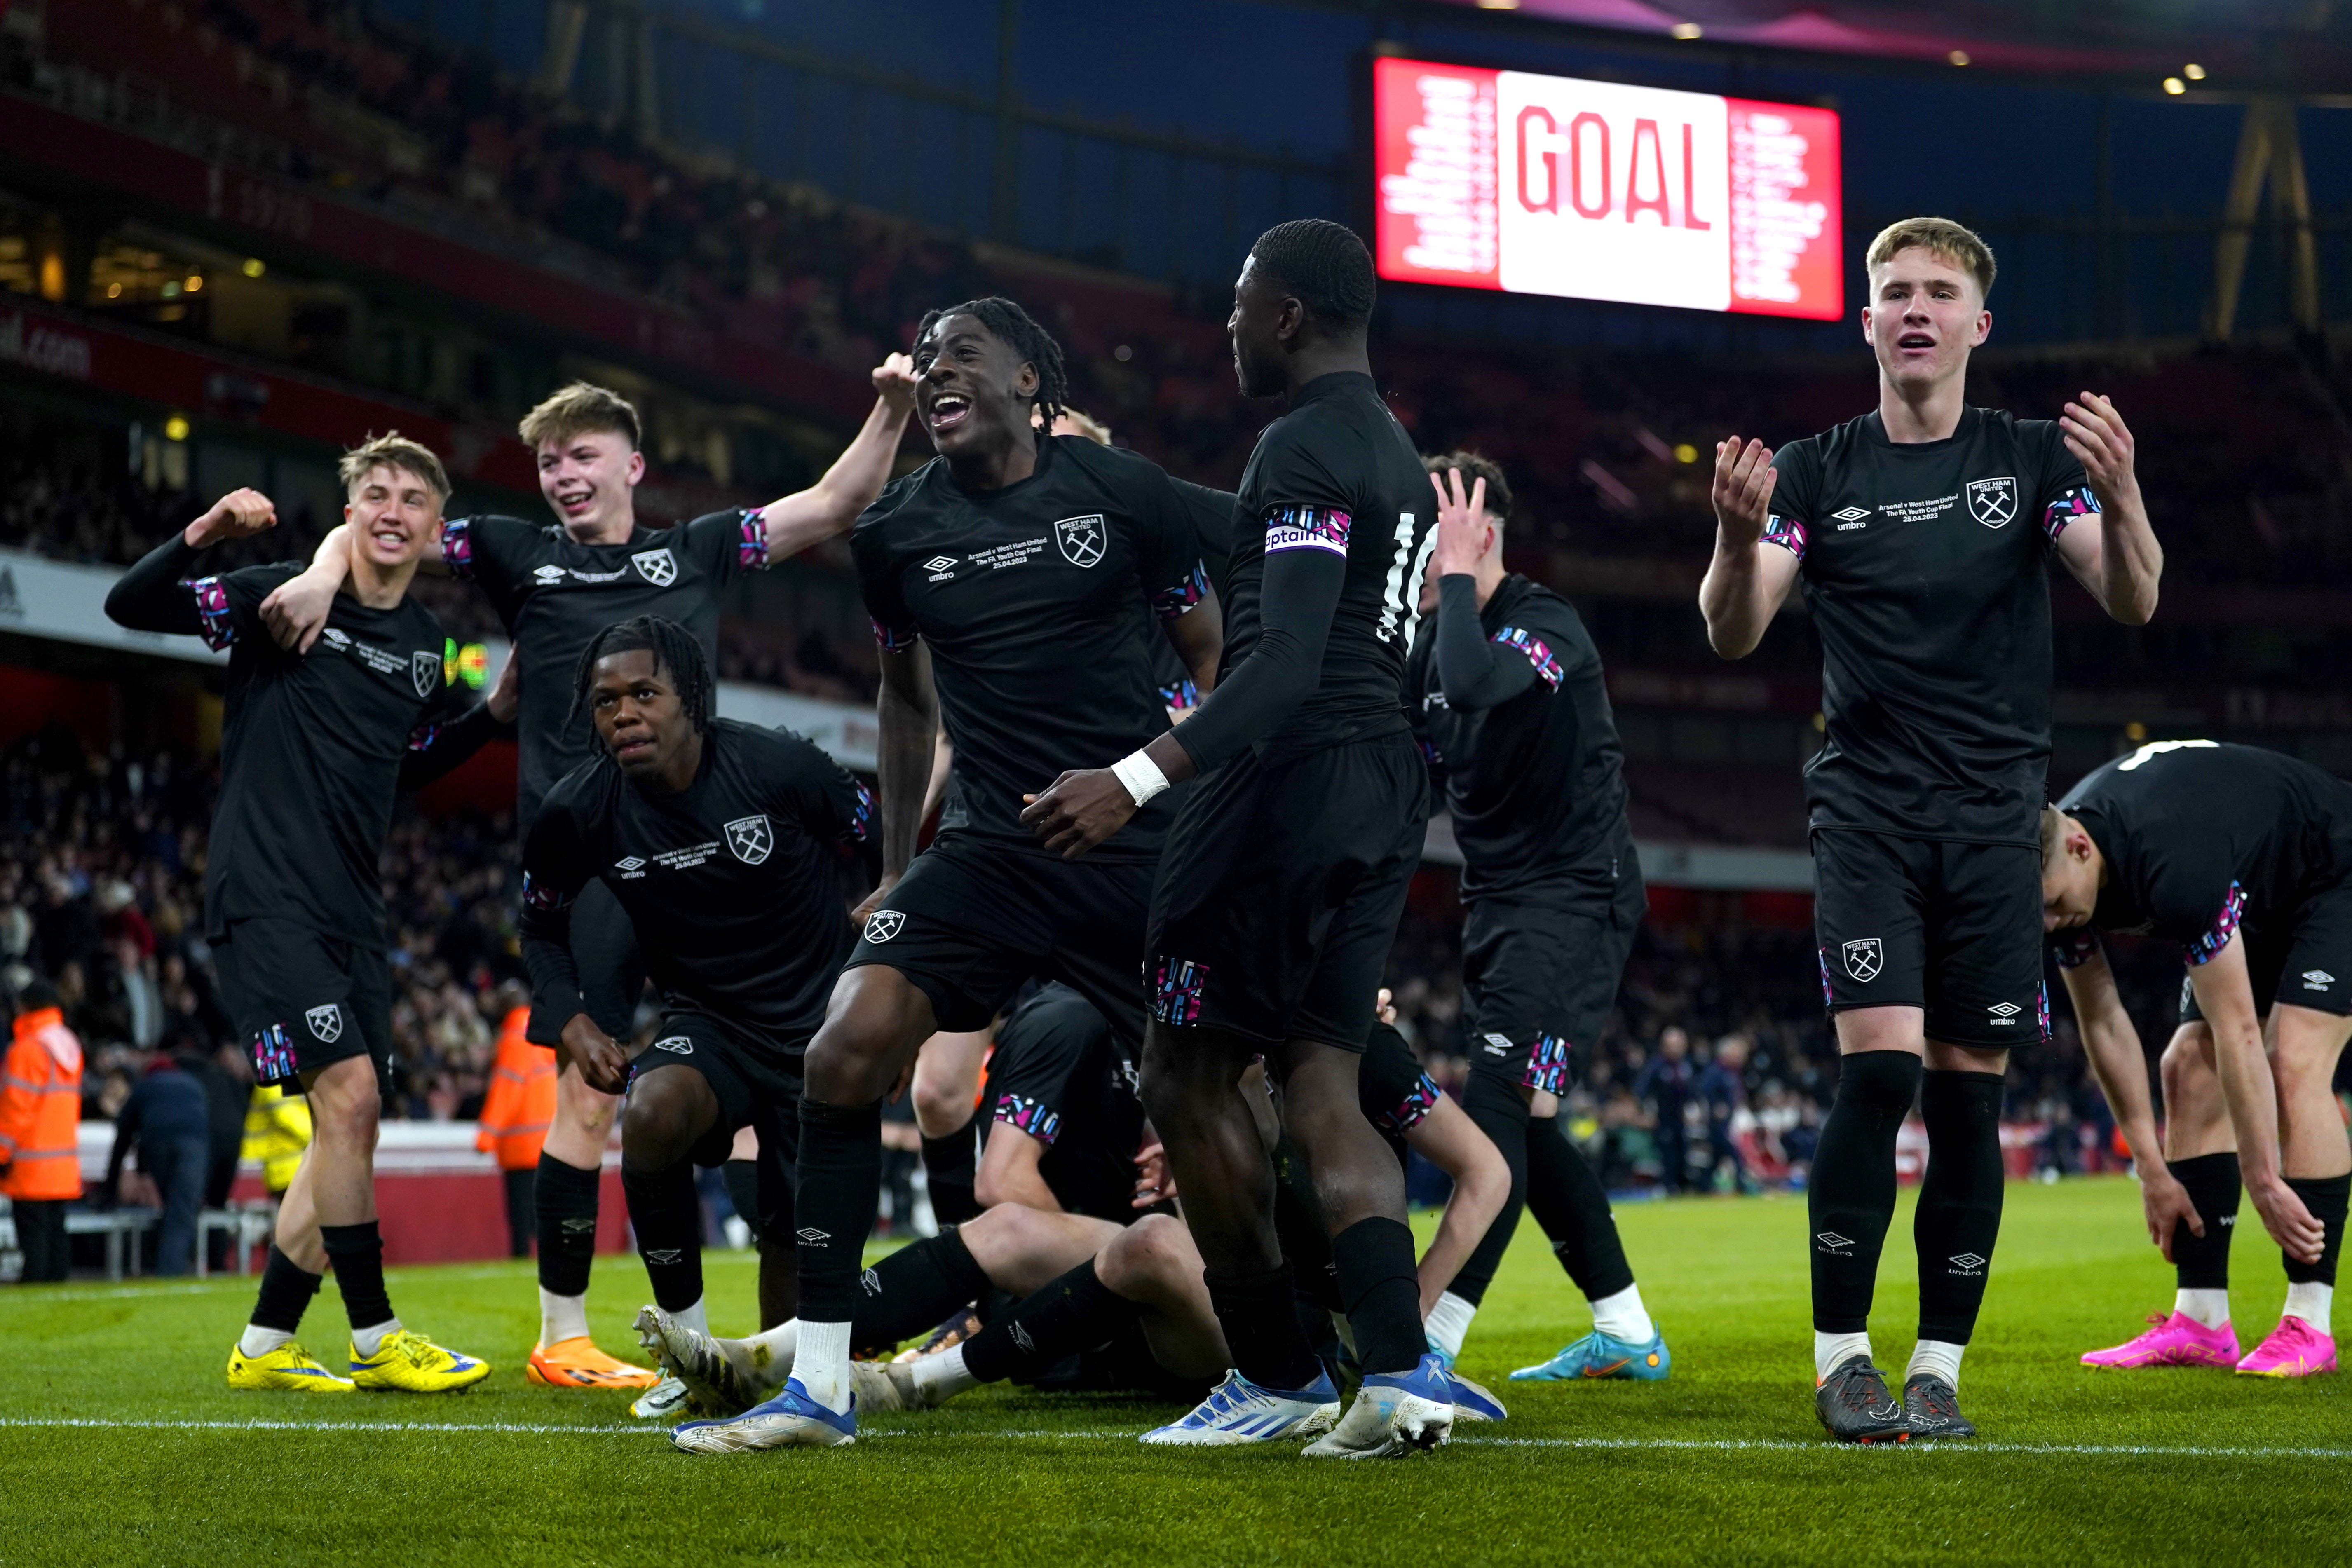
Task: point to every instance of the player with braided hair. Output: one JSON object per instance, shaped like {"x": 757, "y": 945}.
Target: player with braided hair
{"x": 1029, "y": 575}
{"x": 675, "y": 651}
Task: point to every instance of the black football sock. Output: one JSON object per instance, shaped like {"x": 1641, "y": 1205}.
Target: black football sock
{"x": 1066, "y": 1316}
{"x": 1380, "y": 1293}
{"x": 950, "y": 1167}
{"x": 667, "y": 1215}
{"x": 1261, "y": 1327}
{"x": 2326, "y": 1197}
{"x": 286, "y": 1291}
{"x": 1299, "y": 1229}
{"x": 565, "y": 1199}
{"x": 355, "y": 1252}
{"x": 1958, "y": 1216}
{"x": 840, "y": 1192}
{"x": 522, "y": 1209}
{"x": 1570, "y": 1205}
{"x": 743, "y": 1179}
{"x": 1850, "y": 1200}
{"x": 910, "y": 1291}
{"x": 2203, "y": 1262}
{"x": 1502, "y": 1115}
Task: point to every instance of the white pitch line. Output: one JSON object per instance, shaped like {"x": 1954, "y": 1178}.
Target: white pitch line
{"x": 1693, "y": 1445}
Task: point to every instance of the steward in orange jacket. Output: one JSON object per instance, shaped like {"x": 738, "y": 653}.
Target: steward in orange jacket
{"x": 516, "y": 1113}
{"x": 40, "y": 1116}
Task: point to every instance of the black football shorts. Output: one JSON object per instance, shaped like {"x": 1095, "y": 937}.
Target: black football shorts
{"x": 1539, "y": 979}
{"x": 1953, "y": 928}
{"x": 974, "y": 918}
{"x": 756, "y": 1087}
{"x": 1280, "y": 890}
{"x": 2303, "y": 957}
{"x": 302, "y": 1000}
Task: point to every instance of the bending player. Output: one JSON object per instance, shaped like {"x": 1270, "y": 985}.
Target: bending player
{"x": 554, "y": 589}
{"x": 721, "y": 841}
{"x": 1288, "y": 869}
{"x": 1024, "y": 570}
{"x": 314, "y": 747}
{"x": 2244, "y": 858}
{"x": 1923, "y": 532}
{"x": 1507, "y": 691}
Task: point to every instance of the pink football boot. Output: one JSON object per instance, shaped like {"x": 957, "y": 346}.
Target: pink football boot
{"x": 2177, "y": 1340}
{"x": 2294, "y": 1348}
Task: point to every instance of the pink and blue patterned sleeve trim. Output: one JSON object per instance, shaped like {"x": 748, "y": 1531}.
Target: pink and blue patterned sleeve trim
{"x": 1030, "y": 1116}
{"x": 2072, "y": 949}
{"x": 538, "y": 895}
{"x": 457, "y": 546}
{"x": 861, "y": 822}
{"x": 2225, "y": 926}
{"x": 1539, "y": 653}
{"x": 751, "y": 551}
{"x": 1306, "y": 528}
{"x": 890, "y": 639}
{"x": 2076, "y": 502}
{"x": 1787, "y": 532}
{"x": 1184, "y": 596}
{"x": 1415, "y": 1108}
{"x": 215, "y": 619}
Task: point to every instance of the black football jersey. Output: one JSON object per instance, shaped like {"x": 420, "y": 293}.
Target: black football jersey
{"x": 554, "y": 594}
{"x": 1536, "y": 783}
{"x": 1925, "y": 566}
{"x": 1337, "y": 473}
{"x": 1040, "y": 603}
{"x": 2199, "y": 838}
{"x": 733, "y": 884}
{"x": 1060, "y": 1075}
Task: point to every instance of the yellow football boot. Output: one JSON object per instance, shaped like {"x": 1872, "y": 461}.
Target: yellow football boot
{"x": 410, "y": 1364}
{"x": 289, "y": 1369}
{"x": 577, "y": 1363}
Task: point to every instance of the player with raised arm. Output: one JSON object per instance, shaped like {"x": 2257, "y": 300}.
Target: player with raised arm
{"x": 720, "y": 840}
{"x": 1508, "y": 693}
{"x": 555, "y": 587}
{"x": 314, "y": 748}
{"x": 2244, "y": 858}
{"x": 1923, "y": 533}
{"x": 1284, "y": 877}
{"x": 1025, "y": 571}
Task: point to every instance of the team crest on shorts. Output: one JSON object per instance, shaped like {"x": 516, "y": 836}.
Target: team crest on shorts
{"x": 326, "y": 1023}
{"x": 1994, "y": 502}
{"x": 1081, "y": 539}
{"x": 751, "y": 839}
{"x": 424, "y": 668}
{"x": 658, "y": 567}
{"x": 1864, "y": 959}
{"x": 883, "y": 924}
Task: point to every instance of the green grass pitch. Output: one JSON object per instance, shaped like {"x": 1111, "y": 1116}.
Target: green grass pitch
{"x": 123, "y": 1445}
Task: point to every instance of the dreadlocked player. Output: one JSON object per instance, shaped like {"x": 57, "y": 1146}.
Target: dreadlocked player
{"x": 1026, "y": 570}
{"x": 719, "y": 840}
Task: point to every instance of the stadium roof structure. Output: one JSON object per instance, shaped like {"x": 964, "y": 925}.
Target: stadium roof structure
{"x": 2276, "y": 43}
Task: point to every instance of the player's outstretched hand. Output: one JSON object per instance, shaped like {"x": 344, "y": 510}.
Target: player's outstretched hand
{"x": 2289, "y": 1223}
{"x": 236, "y": 515}
{"x": 602, "y": 1062}
{"x": 2101, "y": 442}
{"x": 296, "y": 612}
{"x": 1460, "y": 540}
{"x": 2164, "y": 1201}
{"x": 1152, "y": 1183}
{"x": 1078, "y": 811}
{"x": 894, "y": 383}
{"x": 506, "y": 692}
{"x": 1744, "y": 477}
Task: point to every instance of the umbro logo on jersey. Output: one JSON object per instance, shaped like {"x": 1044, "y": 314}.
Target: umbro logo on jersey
{"x": 337, "y": 635}
{"x": 628, "y": 863}
{"x": 547, "y": 577}
{"x": 677, "y": 1044}
{"x": 1081, "y": 538}
{"x": 1834, "y": 1244}
{"x": 1864, "y": 958}
{"x": 1994, "y": 502}
{"x": 751, "y": 839}
{"x": 658, "y": 567}
{"x": 1851, "y": 514}
{"x": 883, "y": 924}
{"x": 2317, "y": 980}
{"x": 326, "y": 1023}
{"x": 424, "y": 668}
{"x": 2004, "y": 1013}
{"x": 940, "y": 567}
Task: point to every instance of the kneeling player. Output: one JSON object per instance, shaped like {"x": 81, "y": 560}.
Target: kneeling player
{"x": 2244, "y": 858}
{"x": 719, "y": 840}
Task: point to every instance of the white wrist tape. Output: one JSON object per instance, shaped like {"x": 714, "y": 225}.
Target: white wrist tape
{"x": 1140, "y": 774}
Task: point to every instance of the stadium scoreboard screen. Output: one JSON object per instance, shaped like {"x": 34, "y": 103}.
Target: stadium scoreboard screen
{"x": 1595, "y": 190}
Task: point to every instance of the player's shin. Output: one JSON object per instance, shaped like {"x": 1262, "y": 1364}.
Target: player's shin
{"x": 2201, "y": 1263}
{"x": 564, "y": 1197}
{"x": 667, "y": 1215}
{"x": 950, "y": 1169}
{"x": 1850, "y": 1199}
{"x": 1958, "y": 1215}
{"x": 286, "y": 1291}
{"x": 1381, "y": 1294}
{"x": 914, "y": 1288}
{"x": 2311, "y": 1287}
{"x": 1069, "y": 1315}
{"x": 1568, "y": 1202}
{"x": 840, "y": 1190}
{"x": 1501, "y": 1114}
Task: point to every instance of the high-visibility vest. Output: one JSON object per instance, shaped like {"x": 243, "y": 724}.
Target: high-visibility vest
{"x": 40, "y": 1109}
{"x": 521, "y": 1105}
{"x": 276, "y": 1131}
